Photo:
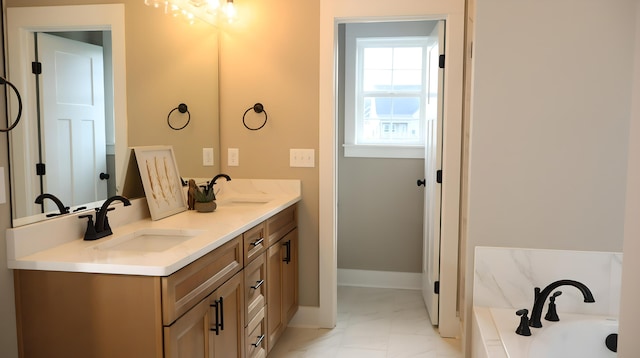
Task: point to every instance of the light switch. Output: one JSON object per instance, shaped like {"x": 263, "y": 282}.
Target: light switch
{"x": 233, "y": 157}
{"x": 207, "y": 157}
{"x": 302, "y": 158}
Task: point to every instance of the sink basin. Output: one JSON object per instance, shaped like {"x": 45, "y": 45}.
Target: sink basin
{"x": 243, "y": 201}
{"x": 148, "y": 240}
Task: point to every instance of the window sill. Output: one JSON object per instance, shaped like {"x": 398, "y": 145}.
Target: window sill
{"x": 384, "y": 151}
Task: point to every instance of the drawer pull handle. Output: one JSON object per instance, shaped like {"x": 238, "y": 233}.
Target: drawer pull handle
{"x": 219, "y": 324}
{"x": 258, "y": 242}
{"x": 258, "y": 284}
{"x": 257, "y": 344}
{"x": 287, "y": 258}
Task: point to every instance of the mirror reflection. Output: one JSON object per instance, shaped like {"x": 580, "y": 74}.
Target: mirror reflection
{"x": 77, "y": 130}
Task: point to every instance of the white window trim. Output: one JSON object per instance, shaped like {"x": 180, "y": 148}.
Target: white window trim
{"x": 383, "y": 151}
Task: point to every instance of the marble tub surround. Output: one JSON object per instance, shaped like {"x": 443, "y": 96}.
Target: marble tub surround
{"x": 506, "y": 277}
{"x": 57, "y": 244}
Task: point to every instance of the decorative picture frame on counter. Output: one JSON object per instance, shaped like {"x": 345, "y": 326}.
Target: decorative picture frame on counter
{"x": 161, "y": 180}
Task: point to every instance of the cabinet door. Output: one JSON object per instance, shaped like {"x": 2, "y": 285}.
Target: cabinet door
{"x": 188, "y": 336}
{"x": 227, "y": 320}
{"x": 289, "y": 245}
{"x": 275, "y": 325}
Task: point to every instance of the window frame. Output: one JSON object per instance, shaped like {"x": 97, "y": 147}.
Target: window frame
{"x": 355, "y": 95}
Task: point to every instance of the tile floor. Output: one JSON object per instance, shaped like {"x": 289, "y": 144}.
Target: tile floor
{"x": 372, "y": 323}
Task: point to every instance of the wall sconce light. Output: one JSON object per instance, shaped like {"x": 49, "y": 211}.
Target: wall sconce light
{"x": 208, "y": 11}
{"x": 229, "y": 10}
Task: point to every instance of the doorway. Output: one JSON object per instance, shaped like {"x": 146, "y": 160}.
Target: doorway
{"x": 333, "y": 13}
{"x": 389, "y": 135}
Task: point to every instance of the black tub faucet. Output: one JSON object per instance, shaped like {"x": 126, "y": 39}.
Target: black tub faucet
{"x": 101, "y": 227}
{"x": 541, "y": 298}
{"x": 213, "y": 182}
{"x": 63, "y": 209}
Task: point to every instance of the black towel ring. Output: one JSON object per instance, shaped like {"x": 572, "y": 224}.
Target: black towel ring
{"x": 182, "y": 108}
{"x": 258, "y": 108}
{"x": 15, "y": 123}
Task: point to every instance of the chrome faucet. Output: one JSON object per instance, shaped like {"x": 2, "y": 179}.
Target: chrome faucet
{"x": 63, "y": 209}
{"x": 101, "y": 227}
{"x": 213, "y": 182}
{"x": 541, "y": 298}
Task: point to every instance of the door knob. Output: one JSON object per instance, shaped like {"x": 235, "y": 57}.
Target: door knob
{"x": 422, "y": 182}
{"x": 104, "y": 176}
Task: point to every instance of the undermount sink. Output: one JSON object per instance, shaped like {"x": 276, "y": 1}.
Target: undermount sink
{"x": 243, "y": 201}
{"x": 148, "y": 240}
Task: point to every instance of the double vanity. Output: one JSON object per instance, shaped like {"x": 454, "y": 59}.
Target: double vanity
{"x": 221, "y": 284}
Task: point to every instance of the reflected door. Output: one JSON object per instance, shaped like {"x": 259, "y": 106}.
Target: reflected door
{"x": 432, "y": 164}
{"x": 73, "y": 119}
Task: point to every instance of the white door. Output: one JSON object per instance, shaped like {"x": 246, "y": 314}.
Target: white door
{"x": 432, "y": 164}
{"x": 73, "y": 118}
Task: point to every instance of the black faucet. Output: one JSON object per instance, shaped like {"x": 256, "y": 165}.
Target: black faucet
{"x": 541, "y": 298}
{"x": 101, "y": 227}
{"x": 63, "y": 209}
{"x": 213, "y": 182}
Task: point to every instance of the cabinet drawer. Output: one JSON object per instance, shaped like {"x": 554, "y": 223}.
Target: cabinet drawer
{"x": 254, "y": 242}
{"x": 281, "y": 223}
{"x": 255, "y": 287}
{"x": 186, "y": 287}
{"x": 256, "y": 339}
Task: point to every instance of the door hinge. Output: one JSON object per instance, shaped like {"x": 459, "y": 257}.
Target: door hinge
{"x": 36, "y": 68}
{"x": 41, "y": 169}
{"x": 441, "y": 61}
{"x": 439, "y": 176}
{"x": 436, "y": 287}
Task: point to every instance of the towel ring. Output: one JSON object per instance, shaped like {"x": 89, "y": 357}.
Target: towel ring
{"x": 258, "y": 108}
{"x": 15, "y": 123}
{"x": 182, "y": 108}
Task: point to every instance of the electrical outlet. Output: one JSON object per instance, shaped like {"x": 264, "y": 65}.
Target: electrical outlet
{"x": 233, "y": 157}
{"x": 207, "y": 157}
{"x": 302, "y": 158}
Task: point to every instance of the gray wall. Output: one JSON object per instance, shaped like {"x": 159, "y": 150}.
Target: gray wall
{"x": 380, "y": 207}
{"x": 629, "y": 331}
{"x": 549, "y": 126}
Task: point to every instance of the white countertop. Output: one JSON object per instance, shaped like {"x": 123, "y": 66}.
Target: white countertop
{"x": 57, "y": 244}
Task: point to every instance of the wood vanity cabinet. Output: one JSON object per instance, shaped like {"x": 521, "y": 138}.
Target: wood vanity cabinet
{"x": 233, "y": 302}
{"x": 213, "y": 328}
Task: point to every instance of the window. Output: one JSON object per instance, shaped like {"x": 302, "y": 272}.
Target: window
{"x": 389, "y": 91}
{"x": 386, "y": 97}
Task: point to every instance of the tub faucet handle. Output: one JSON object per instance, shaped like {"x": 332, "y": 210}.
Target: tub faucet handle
{"x": 552, "y": 314}
{"x": 523, "y": 328}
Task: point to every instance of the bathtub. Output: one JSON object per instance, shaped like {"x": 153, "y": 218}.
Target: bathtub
{"x": 575, "y": 335}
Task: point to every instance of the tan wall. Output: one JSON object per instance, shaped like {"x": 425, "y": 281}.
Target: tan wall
{"x": 270, "y": 55}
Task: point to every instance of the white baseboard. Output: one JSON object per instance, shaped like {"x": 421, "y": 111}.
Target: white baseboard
{"x": 381, "y": 279}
